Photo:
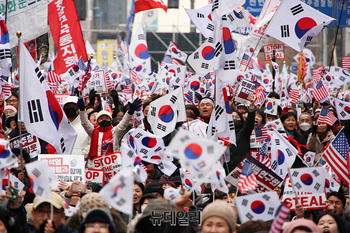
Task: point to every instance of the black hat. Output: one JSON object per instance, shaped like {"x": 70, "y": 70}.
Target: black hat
{"x": 98, "y": 215}
{"x": 154, "y": 187}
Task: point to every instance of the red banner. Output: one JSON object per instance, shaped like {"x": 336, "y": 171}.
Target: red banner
{"x": 66, "y": 33}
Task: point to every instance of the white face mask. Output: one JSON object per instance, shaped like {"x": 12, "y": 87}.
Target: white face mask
{"x": 143, "y": 208}
{"x": 305, "y": 126}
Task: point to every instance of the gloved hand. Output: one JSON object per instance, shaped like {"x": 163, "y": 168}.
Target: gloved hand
{"x": 81, "y": 104}
{"x": 114, "y": 93}
{"x": 92, "y": 96}
{"x": 115, "y": 97}
{"x": 134, "y": 105}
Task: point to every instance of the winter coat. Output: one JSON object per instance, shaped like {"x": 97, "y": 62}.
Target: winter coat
{"x": 118, "y": 131}
{"x": 82, "y": 142}
{"x": 315, "y": 144}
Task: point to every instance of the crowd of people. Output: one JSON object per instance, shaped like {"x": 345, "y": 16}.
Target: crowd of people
{"x": 100, "y": 132}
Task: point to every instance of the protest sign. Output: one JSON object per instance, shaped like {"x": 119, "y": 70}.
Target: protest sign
{"x": 310, "y": 201}
{"x": 61, "y": 98}
{"x": 66, "y": 168}
{"x": 244, "y": 91}
{"x": 94, "y": 175}
{"x": 266, "y": 179}
{"x": 110, "y": 164}
{"x": 270, "y": 48}
{"x": 29, "y": 142}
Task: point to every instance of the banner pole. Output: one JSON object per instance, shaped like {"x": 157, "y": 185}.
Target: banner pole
{"x": 19, "y": 121}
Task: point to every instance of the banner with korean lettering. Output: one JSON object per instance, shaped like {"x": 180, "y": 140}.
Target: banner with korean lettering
{"x": 66, "y": 168}
{"x": 266, "y": 180}
{"x": 29, "y": 142}
{"x": 111, "y": 164}
{"x": 104, "y": 54}
{"x": 66, "y": 33}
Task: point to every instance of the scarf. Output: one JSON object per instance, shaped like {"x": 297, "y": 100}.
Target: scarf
{"x": 106, "y": 143}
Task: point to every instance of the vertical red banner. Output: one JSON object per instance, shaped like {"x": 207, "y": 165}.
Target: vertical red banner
{"x": 66, "y": 33}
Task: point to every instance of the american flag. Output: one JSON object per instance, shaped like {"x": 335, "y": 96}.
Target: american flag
{"x": 263, "y": 157}
{"x": 53, "y": 87}
{"x": 128, "y": 90}
{"x": 6, "y": 88}
{"x": 108, "y": 107}
{"x": 293, "y": 95}
{"x": 336, "y": 156}
{"x": 346, "y": 62}
{"x": 320, "y": 92}
{"x": 133, "y": 74}
{"x": 316, "y": 73}
{"x": 191, "y": 97}
{"x": 247, "y": 179}
{"x": 281, "y": 217}
{"x": 85, "y": 77}
{"x": 260, "y": 133}
{"x": 260, "y": 94}
{"x": 245, "y": 59}
{"x": 326, "y": 117}
{"x": 109, "y": 83}
{"x": 52, "y": 77}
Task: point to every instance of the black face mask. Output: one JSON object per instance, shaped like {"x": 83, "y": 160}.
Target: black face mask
{"x": 237, "y": 123}
{"x": 71, "y": 112}
{"x": 105, "y": 123}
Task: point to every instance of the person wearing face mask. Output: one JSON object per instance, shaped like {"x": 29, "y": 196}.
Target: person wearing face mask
{"x": 321, "y": 136}
{"x": 104, "y": 137}
{"x": 305, "y": 124}
{"x": 71, "y": 110}
{"x": 243, "y": 131}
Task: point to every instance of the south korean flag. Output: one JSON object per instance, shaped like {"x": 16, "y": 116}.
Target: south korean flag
{"x": 221, "y": 122}
{"x": 166, "y": 111}
{"x": 257, "y": 206}
{"x": 207, "y": 57}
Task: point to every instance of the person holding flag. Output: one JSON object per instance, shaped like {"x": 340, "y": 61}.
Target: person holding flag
{"x": 321, "y": 136}
{"x": 105, "y": 137}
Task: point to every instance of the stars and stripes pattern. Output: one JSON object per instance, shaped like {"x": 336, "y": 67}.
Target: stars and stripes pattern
{"x": 281, "y": 217}
{"x": 247, "y": 179}
{"x": 247, "y": 61}
{"x": 109, "y": 83}
{"x": 293, "y": 95}
{"x": 336, "y": 156}
{"x": 260, "y": 133}
{"x": 52, "y": 77}
{"x": 346, "y": 62}
{"x": 326, "y": 117}
{"x": 260, "y": 94}
{"x": 317, "y": 73}
{"x": 263, "y": 157}
{"x": 320, "y": 92}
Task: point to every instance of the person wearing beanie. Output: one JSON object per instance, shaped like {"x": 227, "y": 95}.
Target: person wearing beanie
{"x": 97, "y": 220}
{"x": 71, "y": 108}
{"x": 93, "y": 201}
{"x": 219, "y": 216}
{"x": 8, "y": 223}
{"x": 104, "y": 137}
{"x": 303, "y": 225}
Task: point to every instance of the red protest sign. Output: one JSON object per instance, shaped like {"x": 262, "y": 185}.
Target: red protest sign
{"x": 270, "y": 48}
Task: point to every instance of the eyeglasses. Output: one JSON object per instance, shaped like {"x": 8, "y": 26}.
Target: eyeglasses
{"x": 99, "y": 226}
{"x": 42, "y": 213}
{"x": 11, "y": 101}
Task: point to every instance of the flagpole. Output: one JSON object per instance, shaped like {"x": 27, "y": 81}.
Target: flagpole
{"x": 290, "y": 179}
{"x": 19, "y": 112}
{"x": 336, "y": 34}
